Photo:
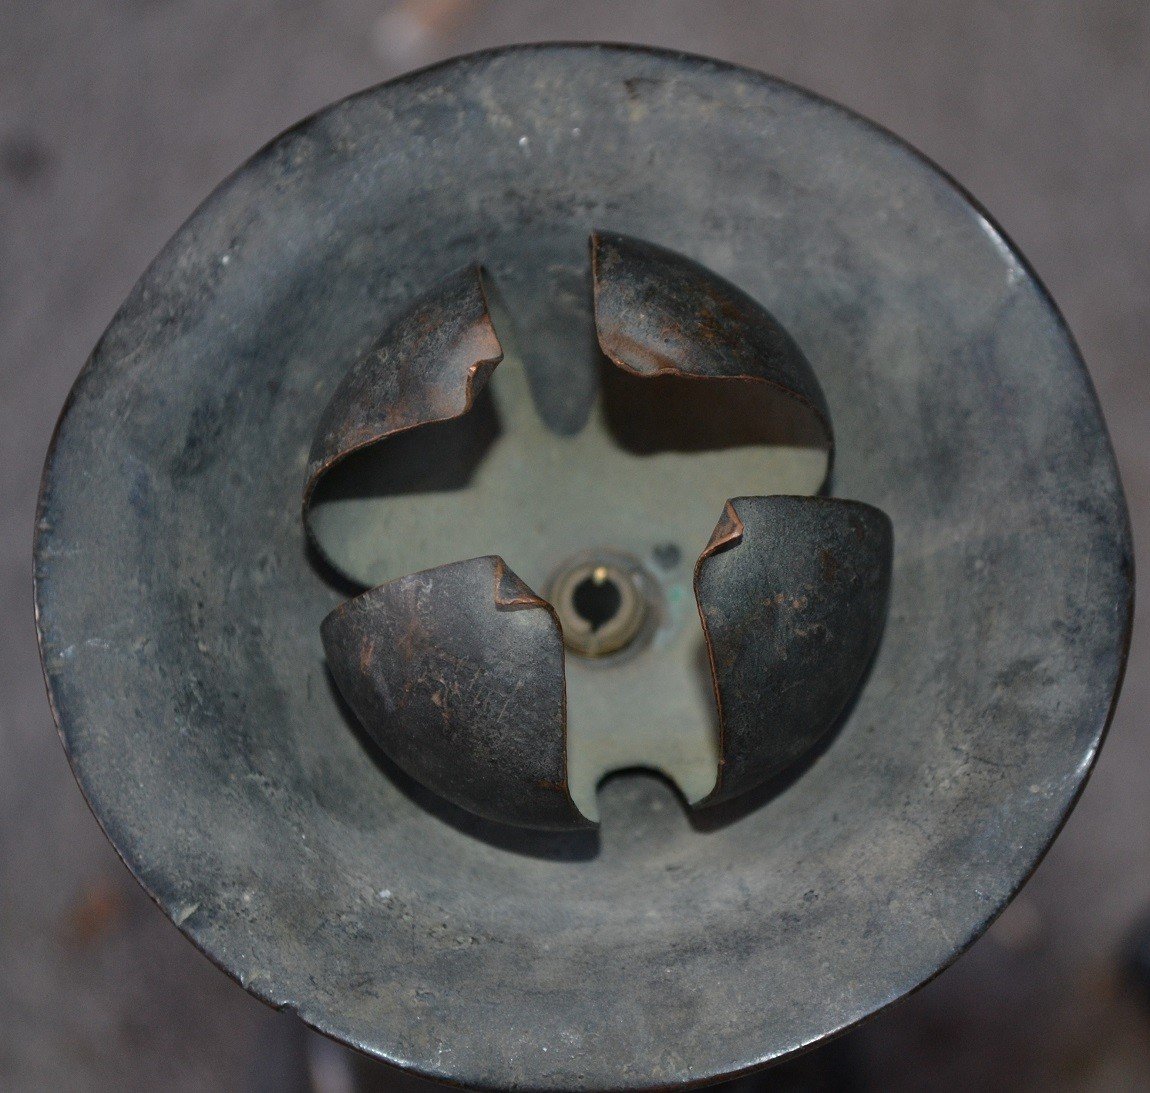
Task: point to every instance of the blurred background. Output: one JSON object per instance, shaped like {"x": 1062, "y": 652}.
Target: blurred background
{"x": 118, "y": 116}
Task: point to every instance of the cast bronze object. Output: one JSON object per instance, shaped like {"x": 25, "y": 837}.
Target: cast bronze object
{"x": 583, "y": 568}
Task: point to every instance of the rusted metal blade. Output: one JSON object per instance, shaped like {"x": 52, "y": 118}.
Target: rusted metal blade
{"x": 792, "y": 594}
{"x": 427, "y": 366}
{"x": 457, "y": 673}
{"x": 658, "y": 313}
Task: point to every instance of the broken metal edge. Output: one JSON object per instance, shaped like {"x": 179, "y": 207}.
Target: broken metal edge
{"x": 659, "y": 313}
{"x": 728, "y": 533}
{"x": 458, "y": 674}
{"x": 428, "y": 366}
{"x": 755, "y": 753}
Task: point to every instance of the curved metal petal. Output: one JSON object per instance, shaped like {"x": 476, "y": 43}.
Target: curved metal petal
{"x": 659, "y": 313}
{"x": 427, "y": 366}
{"x": 457, "y": 673}
{"x": 792, "y": 594}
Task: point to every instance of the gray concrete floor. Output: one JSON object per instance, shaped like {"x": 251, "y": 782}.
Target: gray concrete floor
{"x": 118, "y": 116}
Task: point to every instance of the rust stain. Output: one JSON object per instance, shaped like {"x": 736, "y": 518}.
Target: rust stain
{"x": 98, "y": 910}
{"x": 366, "y": 654}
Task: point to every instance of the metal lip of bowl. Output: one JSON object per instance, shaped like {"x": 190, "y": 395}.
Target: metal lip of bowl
{"x": 178, "y": 609}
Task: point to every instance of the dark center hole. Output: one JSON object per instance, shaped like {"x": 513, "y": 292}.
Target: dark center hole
{"x": 597, "y": 601}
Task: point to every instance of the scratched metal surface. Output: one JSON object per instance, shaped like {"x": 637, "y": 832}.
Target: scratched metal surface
{"x": 180, "y": 612}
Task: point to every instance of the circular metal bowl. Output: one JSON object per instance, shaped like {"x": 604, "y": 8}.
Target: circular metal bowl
{"x": 179, "y": 607}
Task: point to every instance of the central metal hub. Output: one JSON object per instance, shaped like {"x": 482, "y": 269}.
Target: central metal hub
{"x": 600, "y": 605}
